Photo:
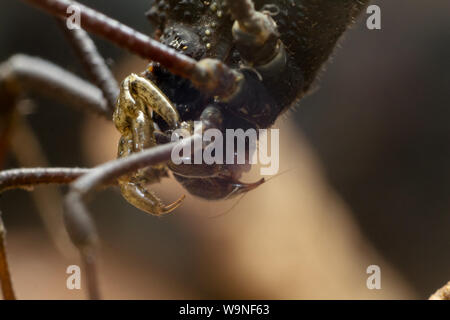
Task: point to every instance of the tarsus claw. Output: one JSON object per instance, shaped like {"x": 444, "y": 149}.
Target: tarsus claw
{"x": 169, "y": 208}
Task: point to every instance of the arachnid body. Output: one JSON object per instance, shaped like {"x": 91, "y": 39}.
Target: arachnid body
{"x": 233, "y": 64}
{"x": 267, "y": 49}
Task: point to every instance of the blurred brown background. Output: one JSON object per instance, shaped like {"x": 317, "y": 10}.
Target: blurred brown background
{"x": 368, "y": 157}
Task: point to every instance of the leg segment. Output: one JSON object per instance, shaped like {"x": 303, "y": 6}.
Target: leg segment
{"x": 93, "y": 63}
{"x": 27, "y": 178}
{"x": 255, "y": 33}
{"x": 5, "y": 276}
{"x": 22, "y": 73}
{"x": 209, "y": 75}
{"x": 133, "y": 119}
{"x": 32, "y": 177}
{"x": 78, "y": 222}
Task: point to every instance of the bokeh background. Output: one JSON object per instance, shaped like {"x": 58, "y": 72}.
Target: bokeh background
{"x": 367, "y": 157}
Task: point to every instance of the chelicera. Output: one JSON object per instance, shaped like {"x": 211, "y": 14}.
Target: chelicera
{"x": 227, "y": 63}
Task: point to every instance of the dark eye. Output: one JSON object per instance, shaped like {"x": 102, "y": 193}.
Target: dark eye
{"x": 183, "y": 38}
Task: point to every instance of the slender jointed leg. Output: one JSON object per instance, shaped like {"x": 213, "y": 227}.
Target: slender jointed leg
{"x": 93, "y": 63}
{"x": 22, "y": 73}
{"x": 77, "y": 218}
{"x": 31, "y": 177}
{"x": 5, "y": 276}
{"x": 26, "y": 178}
{"x": 209, "y": 75}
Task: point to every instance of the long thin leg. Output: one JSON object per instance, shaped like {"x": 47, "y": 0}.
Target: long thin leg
{"x": 5, "y": 276}
{"x": 77, "y": 218}
{"x": 27, "y": 179}
{"x": 93, "y": 63}
{"x": 24, "y": 73}
{"x": 209, "y": 75}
